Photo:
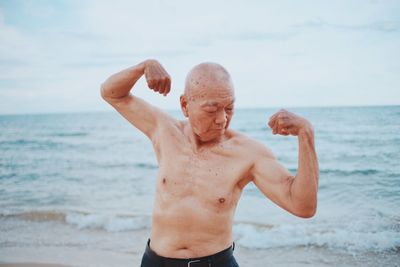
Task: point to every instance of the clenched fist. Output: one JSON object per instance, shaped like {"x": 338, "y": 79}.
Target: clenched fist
{"x": 287, "y": 123}
{"x": 157, "y": 78}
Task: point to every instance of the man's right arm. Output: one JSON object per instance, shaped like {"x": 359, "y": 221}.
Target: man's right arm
{"x": 116, "y": 91}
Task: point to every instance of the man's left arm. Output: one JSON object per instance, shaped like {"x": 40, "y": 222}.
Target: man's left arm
{"x": 297, "y": 194}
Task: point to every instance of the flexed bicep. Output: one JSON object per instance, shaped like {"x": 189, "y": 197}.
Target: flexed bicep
{"x": 273, "y": 180}
{"x": 144, "y": 116}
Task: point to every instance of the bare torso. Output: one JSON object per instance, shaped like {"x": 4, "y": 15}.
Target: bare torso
{"x": 197, "y": 193}
{"x": 203, "y": 168}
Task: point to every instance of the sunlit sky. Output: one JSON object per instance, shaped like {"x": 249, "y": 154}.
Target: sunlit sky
{"x": 55, "y": 54}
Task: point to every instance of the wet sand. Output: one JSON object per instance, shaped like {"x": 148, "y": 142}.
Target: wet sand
{"x": 30, "y": 265}
{"x": 67, "y": 254}
{"x": 278, "y": 257}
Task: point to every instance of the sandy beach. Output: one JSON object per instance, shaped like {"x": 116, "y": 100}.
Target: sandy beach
{"x": 245, "y": 257}
{"x": 65, "y": 255}
{"x": 30, "y": 265}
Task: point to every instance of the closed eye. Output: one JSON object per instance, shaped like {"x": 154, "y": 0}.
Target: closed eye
{"x": 210, "y": 110}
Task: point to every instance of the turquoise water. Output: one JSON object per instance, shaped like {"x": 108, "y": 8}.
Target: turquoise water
{"x": 95, "y": 171}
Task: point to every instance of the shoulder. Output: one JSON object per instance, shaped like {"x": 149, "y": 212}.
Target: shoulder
{"x": 167, "y": 124}
{"x": 170, "y": 130}
{"x": 250, "y": 147}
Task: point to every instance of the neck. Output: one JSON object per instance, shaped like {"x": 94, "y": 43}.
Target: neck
{"x": 197, "y": 144}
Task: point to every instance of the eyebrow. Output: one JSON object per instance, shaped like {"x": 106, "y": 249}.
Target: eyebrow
{"x": 213, "y": 103}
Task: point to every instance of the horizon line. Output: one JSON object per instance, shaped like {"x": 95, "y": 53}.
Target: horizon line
{"x": 178, "y": 109}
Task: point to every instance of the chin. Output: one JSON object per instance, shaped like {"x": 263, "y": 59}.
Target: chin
{"x": 213, "y": 137}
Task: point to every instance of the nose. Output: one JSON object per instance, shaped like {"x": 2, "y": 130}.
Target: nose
{"x": 221, "y": 118}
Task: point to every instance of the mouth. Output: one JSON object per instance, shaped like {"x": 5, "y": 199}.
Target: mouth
{"x": 218, "y": 129}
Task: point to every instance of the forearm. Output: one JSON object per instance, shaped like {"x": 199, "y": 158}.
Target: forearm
{"x": 120, "y": 84}
{"x": 305, "y": 185}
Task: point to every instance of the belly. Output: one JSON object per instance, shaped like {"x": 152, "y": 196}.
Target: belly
{"x": 193, "y": 210}
{"x": 186, "y": 227}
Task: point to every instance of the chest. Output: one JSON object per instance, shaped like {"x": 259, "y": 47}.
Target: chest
{"x": 199, "y": 171}
{"x": 209, "y": 178}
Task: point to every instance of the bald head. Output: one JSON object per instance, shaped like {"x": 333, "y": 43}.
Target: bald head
{"x": 206, "y": 76}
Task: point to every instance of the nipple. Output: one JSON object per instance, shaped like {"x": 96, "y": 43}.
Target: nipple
{"x": 221, "y": 200}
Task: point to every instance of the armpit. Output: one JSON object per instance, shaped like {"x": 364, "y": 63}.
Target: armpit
{"x": 244, "y": 181}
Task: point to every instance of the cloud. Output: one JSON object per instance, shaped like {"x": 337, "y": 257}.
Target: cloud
{"x": 379, "y": 26}
{"x": 282, "y": 52}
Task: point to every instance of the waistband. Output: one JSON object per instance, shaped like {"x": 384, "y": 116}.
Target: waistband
{"x": 213, "y": 260}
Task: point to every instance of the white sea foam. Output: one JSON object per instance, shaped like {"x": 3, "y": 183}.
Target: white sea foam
{"x": 260, "y": 224}
{"x": 375, "y": 235}
{"x": 349, "y": 239}
{"x": 85, "y": 220}
{"x": 109, "y": 223}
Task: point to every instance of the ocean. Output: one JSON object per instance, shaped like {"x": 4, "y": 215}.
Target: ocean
{"x": 71, "y": 183}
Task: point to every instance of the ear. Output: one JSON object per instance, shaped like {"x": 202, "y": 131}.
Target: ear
{"x": 184, "y": 106}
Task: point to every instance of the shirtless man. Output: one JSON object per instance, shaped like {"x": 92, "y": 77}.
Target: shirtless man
{"x": 204, "y": 165}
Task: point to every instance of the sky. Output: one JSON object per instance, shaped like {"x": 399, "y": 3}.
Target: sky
{"x": 55, "y": 54}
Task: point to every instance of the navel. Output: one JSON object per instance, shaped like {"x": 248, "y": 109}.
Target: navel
{"x": 221, "y": 200}
{"x": 164, "y": 180}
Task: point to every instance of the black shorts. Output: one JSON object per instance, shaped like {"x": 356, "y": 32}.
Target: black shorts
{"x": 223, "y": 258}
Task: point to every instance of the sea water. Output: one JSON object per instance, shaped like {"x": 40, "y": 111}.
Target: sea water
{"x": 96, "y": 173}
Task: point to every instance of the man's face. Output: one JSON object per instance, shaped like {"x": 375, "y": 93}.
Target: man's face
{"x": 210, "y": 111}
